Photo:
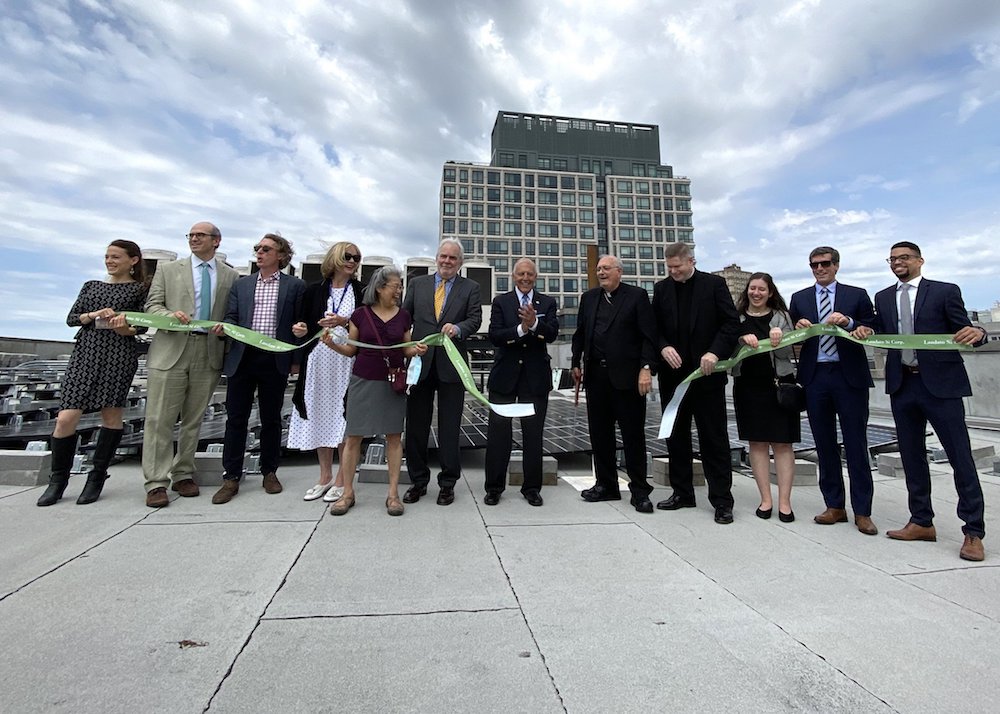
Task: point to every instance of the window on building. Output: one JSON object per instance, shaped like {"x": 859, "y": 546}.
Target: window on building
{"x": 569, "y": 301}
{"x": 638, "y": 169}
{"x": 512, "y": 213}
{"x": 449, "y": 174}
{"x": 626, "y": 217}
{"x": 493, "y": 194}
{"x": 568, "y": 182}
{"x": 586, "y": 184}
{"x": 586, "y": 216}
{"x": 628, "y": 268}
{"x": 667, "y": 188}
{"x": 477, "y": 176}
{"x": 515, "y": 248}
{"x": 645, "y": 234}
{"x": 506, "y": 159}
{"x": 683, "y": 220}
{"x": 547, "y": 230}
{"x": 493, "y": 178}
{"x": 529, "y": 230}
{"x": 568, "y": 321}
{"x": 685, "y": 236}
{"x": 553, "y": 285}
{"x": 449, "y": 192}
{"x": 511, "y": 229}
{"x": 468, "y": 245}
{"x": 493, "y": 228}
{"x": 682, "y": 189}
{"x": 522, "y": 161}
{"x": 544, "y": 162}
{"x": 549, "y": 197}
{"x": 569, "y": 231}
{"x": 668, "y": 204}
{"x": 500, "y": 265}
{"x": 463, "y": 226}
{"x": 586, "y": 199}
{"x": 642, "y": 186}
{"x": 587, "y": 232}
{"x": 529, "y": 213}
{"x": 547, "y": 181}
{"x": 626, "y": 234}
{"x": 529, "y": 180}
{"x": 477, "y": 193}
{"x": 448, "y": 225}
{"x": 477, "y": 228}
{"x": 548, "y": 248}
{"x": 548, "y": 214}
{"x": 624, "y": 202}
{"x": 529, "y": 196}
{"x": 683, "y": 204}
{"x": 477, "y": 210}
{"x": 626, "y": 251}
{"x": 560, "y": 164}
{"x": 642, "y": 203}
{"x": 503, "y": 284}
{"x": 568, "y": 199}
{"x": 463, "y": 192}
{"x": 510, "y": 179}
{"x": 668, "y": 219}
{"x": 624, "y": 186}
{"x": 449, "y": 209}
{"x": 529, "y": 247}
{"x": 646, "y": 252}
{"x": 643, "y": 219}
{"x": 492, "y": 210}
{"x": 463, "y": 209}
{"x": 585, "y": 165}
{"x": 511, "y": 195}
{"x": 496, "y": 247}
{"x": 646, "y": 269}
{"x": 570, "y": 266}
{"x": 548, "y": 265}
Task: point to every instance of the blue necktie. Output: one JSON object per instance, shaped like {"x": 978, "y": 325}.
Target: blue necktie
{"x": 524, "y": 300}
{"x": 205, "y": 303}
{"x": 827, "y": 343}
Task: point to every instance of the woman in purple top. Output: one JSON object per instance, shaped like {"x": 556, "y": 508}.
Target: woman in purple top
{"x": 372, "y": 405}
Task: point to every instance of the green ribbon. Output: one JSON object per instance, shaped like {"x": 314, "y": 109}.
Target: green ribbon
{"x": 889, "y": 342}
{"x": 269, "y": 344}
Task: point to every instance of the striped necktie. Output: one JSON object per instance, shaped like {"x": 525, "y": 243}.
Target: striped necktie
{"x": 524, "y": 300}
{"x": 827, "y": 343}
{"x": 439, "y": 299}
{"x": 909, "y": 357}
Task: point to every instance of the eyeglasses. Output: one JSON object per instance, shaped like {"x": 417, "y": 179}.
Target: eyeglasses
{"x": 262, "y": 249}
{"x": 197, "y": 236}
{"x": 820, "y": 264}
{"x": 348, "y": 257}
{"x": 904, "y": 258}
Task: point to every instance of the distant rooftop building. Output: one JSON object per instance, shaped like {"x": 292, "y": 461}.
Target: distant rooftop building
{"x": 562, "y": 190}
{"x": 736, "y": 279}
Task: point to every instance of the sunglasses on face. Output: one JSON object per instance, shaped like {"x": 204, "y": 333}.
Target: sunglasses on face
{"x": 348, "y": 257}
{"x": 821, "y": 264}
{"x": 262, "y": 249}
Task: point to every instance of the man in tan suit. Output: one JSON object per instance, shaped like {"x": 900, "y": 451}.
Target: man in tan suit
{"x": 183, "y": 367}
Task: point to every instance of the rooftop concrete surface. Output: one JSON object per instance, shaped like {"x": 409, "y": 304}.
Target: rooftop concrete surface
{"x": 268, "y": 603}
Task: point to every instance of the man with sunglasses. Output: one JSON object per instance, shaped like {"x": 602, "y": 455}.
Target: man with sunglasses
{"x": 183, "y": 367}
{"x": 268, "y": 302}
{"x": 916, "y": 305}
{"x": 836, "y": 377}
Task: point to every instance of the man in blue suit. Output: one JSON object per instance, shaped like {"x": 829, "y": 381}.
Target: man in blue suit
{"x": 927, "y": 385}
{"x": 522, "y": 323}
{"x": 836, "y": 377}
{"x": 268, "y": 302}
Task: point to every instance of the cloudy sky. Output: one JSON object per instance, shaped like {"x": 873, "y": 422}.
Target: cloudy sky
{"x": 844, "y": 122}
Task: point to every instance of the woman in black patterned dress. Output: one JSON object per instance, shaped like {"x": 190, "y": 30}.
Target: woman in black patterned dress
{"x": 100, "y": 369}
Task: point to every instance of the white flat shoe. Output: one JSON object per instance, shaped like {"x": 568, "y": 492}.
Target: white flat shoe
{"x": 317, "y": 491}
{"x": 334, "y": 494}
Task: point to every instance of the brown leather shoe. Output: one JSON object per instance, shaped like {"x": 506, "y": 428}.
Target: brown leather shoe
{"x": 972, "y": 549}
{"x": 230, "y": 487}
{"x": 187, "y": 488}
{"x": 158, "y": 498}
{"x": 865, "y": 525}
{"x": 911, "y": 531}
{"x": 342, "y": 506}
{"x": 831, "y": 516}
{"x": 271, "y": 482}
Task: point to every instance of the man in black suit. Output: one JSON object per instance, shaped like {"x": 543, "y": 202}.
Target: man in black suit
{"x": 696, "y": 324}
{"x": 836, "y": 377}
{"x": 522, "y": 322}
{"x": 927, "y": 385}
{"x": 269, "y": 302}
{"x": 443, "y": 302}
{"x": 613, "y": 355}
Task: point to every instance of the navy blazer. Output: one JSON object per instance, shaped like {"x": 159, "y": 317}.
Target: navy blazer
{"x": 522, "y": 359}
{"x": 239, "y": 311}
{"x": 938, "y": 309}
{"x": 631, "y": 336}
{"x": 851, "y": 301}
{"x": 463, "y": 309}
{"x": 713, "y": 326}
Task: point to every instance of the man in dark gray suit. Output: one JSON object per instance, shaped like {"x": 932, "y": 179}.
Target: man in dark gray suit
{"x": 443, "y": 302}
{"x": 268, "y": 302}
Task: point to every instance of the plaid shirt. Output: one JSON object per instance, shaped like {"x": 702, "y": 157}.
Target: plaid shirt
{"x": 265, "y": 306}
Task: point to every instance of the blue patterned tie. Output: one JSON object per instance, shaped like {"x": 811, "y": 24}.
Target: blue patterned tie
{"x": 524, "y": 300}
{"x": 205, "y": 301}
{"x": 827, "y": 343}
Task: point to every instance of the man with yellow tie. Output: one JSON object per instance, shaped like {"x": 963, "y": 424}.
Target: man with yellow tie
{"x": 443, "y": 302}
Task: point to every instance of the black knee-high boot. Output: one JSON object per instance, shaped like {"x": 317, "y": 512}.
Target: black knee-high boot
{"x": 107, "y": 444}
{"x": 63, "y": 450}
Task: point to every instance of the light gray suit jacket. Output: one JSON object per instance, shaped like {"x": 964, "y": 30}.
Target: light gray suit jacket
{"x": 172, "y": 289}
{"x": 463, "y": 309}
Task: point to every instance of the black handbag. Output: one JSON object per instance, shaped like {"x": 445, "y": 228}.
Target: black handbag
{"x": 791, "y": 395}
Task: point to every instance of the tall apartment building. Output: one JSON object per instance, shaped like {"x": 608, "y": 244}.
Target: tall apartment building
{"x": 556, "y": 188}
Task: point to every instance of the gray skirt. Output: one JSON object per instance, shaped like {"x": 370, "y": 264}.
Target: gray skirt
{"x": 373, "y": 408}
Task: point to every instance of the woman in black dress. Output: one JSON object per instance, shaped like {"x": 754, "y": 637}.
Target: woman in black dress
{"x": 759, "y": 418}
{"x": 100, "y": 369}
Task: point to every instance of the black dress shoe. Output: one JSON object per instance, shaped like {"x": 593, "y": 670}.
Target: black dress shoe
{"x": 724, "y": 515}
{"x": 492, "y": 498}
{"x": 600, "y": 493}
{"x": 786, "y": 517}
{"x": 413, "y": 494}
{"x": 533, "y": 497}
{"x": 446, "y": 496}
{"x": 674, "y": 502}
{"x": 765, "y": 514}
{"x": 642, "y": 504}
